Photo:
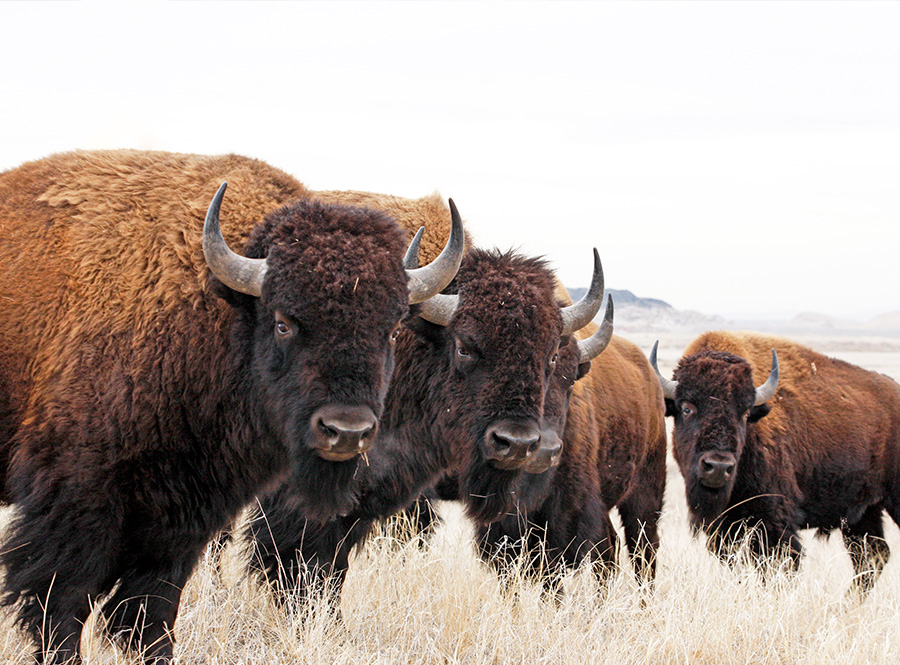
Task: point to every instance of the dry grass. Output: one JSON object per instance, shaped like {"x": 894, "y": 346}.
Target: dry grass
{"x": 406, "y": 603}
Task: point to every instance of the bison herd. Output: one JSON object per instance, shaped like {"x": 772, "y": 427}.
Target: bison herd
{"x": 171, "y": 353}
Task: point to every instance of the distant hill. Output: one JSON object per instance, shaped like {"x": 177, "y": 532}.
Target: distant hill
{"x": 623, "y": 297}
{"x": 635, "y": 314}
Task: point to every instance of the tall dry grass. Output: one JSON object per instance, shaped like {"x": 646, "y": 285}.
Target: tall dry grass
{"x": 405, "y": 602}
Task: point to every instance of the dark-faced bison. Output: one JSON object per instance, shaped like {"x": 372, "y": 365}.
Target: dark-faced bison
{"x": 613, "y": 455}
{"x": 146, "y": 396}
{"x": 468, "y": 395}
{"x": 814, "y": 445}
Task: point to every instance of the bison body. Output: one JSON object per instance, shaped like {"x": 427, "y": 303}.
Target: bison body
{"x": 823, "y": 453}
{"x": 143, "y": 402}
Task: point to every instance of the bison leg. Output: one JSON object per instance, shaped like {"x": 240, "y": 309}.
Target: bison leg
{"x": 58, "y": 555}
{"x": 640, "y": 511}
{"x": 421, "y": 515}
{"x": 868, "y": 549}
{"x": 141, "y": 612}
{"x": 301, "y": 558}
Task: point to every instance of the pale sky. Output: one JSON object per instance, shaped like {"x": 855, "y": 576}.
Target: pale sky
{"x": 740, "y": 159}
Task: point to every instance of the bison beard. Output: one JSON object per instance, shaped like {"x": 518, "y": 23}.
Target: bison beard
{"x": 487, "y": 493}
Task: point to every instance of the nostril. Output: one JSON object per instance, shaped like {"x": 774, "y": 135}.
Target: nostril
{"x": 501, "y": 445}
{"x": 329, "y": 432}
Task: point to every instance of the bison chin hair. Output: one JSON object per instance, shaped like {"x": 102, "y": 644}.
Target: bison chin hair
{"x": 707, "y": 505}
{"x": 324, "y": 490}
{"x": 487, "y": 492}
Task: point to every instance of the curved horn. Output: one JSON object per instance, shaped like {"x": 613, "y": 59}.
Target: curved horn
{"x": 580, "y": 314}
{"x": 668, "y": 386}
{"x": 431, "y": 279}
{"x": 233, "y": 270}
{"x": 439, "y": 308}
{"x": 766, "y": 391}
{"x": 411, "y": 258}
{"x": 593, "y": 346}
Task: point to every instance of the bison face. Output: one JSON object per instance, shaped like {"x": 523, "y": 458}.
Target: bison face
{"x": 714, "y": 401}
{"x": 319, "y": 316}
{"x": 492, "y": 349}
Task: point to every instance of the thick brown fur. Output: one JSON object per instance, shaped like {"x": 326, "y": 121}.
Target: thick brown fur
{"x": 142, "y": 402}
{"x": 823, "y": 453}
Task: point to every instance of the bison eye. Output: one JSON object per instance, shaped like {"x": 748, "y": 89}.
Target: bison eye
{"x": 283, "y": 329}
{"x": 688, "y": 409}
{"x": 463, "y": 352}
{"x": 395, "y": 333}
{"x": 554, "y": 359}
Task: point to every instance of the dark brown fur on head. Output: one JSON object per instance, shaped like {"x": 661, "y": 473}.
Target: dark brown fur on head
{"x": 713, "y": 404}
{"x": 333, "y": 272}
{"x": 510, "y": 326}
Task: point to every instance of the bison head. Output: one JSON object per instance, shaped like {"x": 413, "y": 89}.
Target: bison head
{"x": 492, "y": 347}
{"x": 713, "y": 400}
{"x": 321, "y": 293}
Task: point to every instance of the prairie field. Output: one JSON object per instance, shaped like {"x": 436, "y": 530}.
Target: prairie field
{"x": 414, "y": 600}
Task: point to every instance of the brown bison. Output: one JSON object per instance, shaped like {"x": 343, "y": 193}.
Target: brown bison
{"x": 814, "y": 445}
{"x": 468, "y": 395}
{"x": 613, "y": 456}
{"x": 152, "y": 381}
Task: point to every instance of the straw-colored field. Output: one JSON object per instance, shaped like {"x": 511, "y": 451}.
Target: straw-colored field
{"x": 406, "y": 603}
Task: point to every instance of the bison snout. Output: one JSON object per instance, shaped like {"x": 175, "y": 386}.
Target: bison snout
{"x": 546, "y": 456}
{"x": 716, "y": 468}
{"x": 509, "y": 445}
{"x": 342, "y": 432}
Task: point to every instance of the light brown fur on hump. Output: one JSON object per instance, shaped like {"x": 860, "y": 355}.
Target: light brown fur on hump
{"x": 428, "y": 211}
{"x": 92, "y": 214}
{"x": 796, "y": 362}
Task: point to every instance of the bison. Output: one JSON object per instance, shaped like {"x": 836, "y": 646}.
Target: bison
{"x": 468, "y": 395}
{"x": 613, "y": 455}
{"x": 814, "y": 445}
{"x": 606, "y": 448}
{"x": 152, "y": 381}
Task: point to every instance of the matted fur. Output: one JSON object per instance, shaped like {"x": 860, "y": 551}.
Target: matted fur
{"x": 142, "y": 402}
{"x": 823, "y": 453}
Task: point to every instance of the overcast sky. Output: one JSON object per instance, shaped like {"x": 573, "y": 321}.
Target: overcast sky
{"x": 733, "y": 158}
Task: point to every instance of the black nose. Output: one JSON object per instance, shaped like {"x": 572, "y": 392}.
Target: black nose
{"x": 509, "y": 444}
{"x": 547, "y": 455}
{"x": 341, "y": 432}
{"x": 715, "y": 468}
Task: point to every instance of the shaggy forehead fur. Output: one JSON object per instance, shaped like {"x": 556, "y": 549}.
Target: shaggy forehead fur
{"x": 346, "y": 258}
{"x": 507, "y": 294}
{"x": 714, "y": 374}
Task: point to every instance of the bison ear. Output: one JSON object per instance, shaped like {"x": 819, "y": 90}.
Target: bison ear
{"x": 758, "y": 413}
{"x": 229, "y": 295}
{"x": 583, "y": 369}
{"x": 670, "y": 408}
{"x": 425, "y": 329}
